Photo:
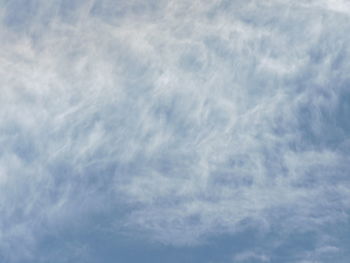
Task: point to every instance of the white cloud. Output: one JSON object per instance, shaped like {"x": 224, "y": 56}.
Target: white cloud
{"x": 199, "y": 115}
{"x": 249, "y": 256}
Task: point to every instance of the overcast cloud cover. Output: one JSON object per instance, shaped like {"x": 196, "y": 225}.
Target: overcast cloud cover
{"x": 174, "y": 131}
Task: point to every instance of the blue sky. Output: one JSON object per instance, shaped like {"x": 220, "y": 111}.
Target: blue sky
{"x": 174, "y": 131}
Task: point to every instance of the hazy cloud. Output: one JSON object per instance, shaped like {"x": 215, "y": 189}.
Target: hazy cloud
{"x": 174, "y": 120}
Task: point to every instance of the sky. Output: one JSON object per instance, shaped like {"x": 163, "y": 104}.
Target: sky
{"x": 174, "y": 131}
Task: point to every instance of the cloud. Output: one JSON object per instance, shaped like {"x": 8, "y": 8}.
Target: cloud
{"x": 193, "y": 117}
{"x": 250, "y": 256}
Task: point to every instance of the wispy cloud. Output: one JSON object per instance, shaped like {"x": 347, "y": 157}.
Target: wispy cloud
{"x": 250, "y": 256}
{"x": 191, "y": 117}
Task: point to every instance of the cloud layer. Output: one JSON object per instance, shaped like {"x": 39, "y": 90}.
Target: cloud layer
{"x": 174, "y": 120}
